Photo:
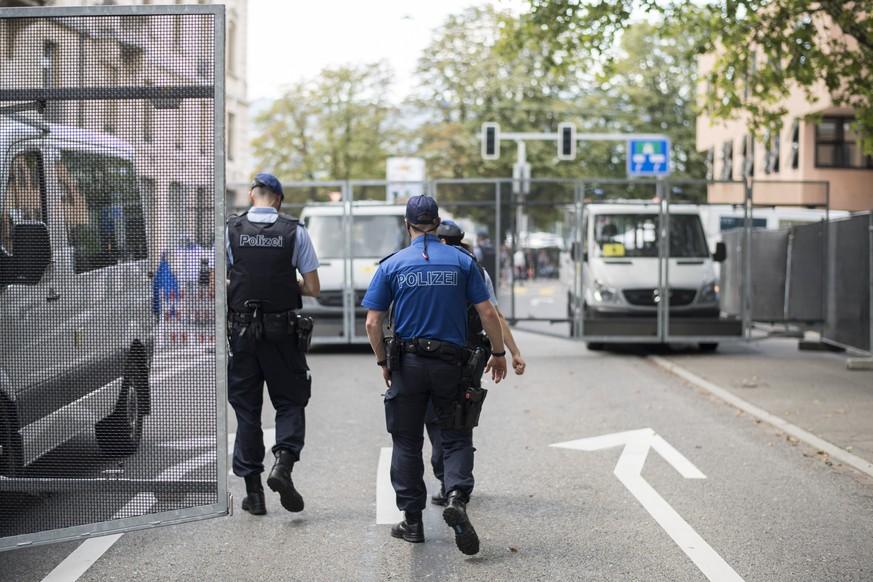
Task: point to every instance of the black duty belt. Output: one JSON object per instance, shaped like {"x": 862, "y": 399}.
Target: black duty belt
{"x": 239, "y": 317}
{"x": 431, "y": 348}
{"x": 245, "y": 317}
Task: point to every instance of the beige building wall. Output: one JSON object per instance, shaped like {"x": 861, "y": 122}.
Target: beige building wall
{"x": 807, "y": 185}
{"x": 175, "y": 163}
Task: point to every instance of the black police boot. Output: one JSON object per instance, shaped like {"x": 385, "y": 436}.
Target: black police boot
{"x": 280, "y": 481}
{"x": 439, "y": 498}
{"x": 410, "y": 529}
{"x": 254, "y": 501}
{"x": 455, "y": 515}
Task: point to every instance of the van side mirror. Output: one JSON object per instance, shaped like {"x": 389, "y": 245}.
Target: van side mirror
{"x": 31, "y": 253}
{"x": 720, "y": 253}
{"x": 576, "y": 252}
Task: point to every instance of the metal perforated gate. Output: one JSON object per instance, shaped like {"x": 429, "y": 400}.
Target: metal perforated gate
{"x": 112, "y": 385}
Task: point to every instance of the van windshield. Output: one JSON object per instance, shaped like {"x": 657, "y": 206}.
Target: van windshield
{"x": 102, "y": 209}
{"x": 636, "y": 235}
{"x": 372, "y": 236}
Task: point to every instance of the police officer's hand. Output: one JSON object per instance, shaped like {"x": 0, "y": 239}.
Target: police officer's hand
{"x": 518, "y": 364}
{"x": 497, "y": 366}
{"x": 386, "y": 375}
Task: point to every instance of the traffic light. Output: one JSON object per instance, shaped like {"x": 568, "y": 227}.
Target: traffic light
{"x": 490, "y": 141}
{"x": 566, "y": 141}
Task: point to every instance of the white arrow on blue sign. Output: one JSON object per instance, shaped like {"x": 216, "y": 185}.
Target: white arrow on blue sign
{"x": 648, "y": 157}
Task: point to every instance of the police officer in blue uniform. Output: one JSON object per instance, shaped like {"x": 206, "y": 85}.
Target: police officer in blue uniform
{"x": 265, "y": 250}
{"x": 429, "y": 285}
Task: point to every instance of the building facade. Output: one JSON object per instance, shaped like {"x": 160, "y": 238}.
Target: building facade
{"x": 175, "y": 157}
{"x": 804, "y": 163}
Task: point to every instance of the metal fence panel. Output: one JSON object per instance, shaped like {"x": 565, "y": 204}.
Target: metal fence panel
{"x": 769, "y": 254}
{"x": 806, "y": 274}
{"x": 849, "y": 287}
{"x": 112, "y": 384}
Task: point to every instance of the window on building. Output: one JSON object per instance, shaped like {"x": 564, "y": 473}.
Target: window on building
{"x": 50, "y": 79}
{"x": 230, "y": 136}
{"x": 177, "y": 219}
{"x": 710, "y": 163}
{"x": 179, "y": 134}
{"x": 795, "y": 144}
{"x": 177, "y": 32}
{"x": 205, "y": 129}
{"x": 110, "y": 106}
{"x": 773, "y": 153}
{"x": 727, "y": 168}
{"x": 148, "y": 120}
{"x": 748, "y": 156}
{"x": 838, "y": 144}
{"x": 231, "y": 48}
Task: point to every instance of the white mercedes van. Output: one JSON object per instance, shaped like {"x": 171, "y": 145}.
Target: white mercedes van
{"x": 620, "y": 267}
{"x": 76, "y": 328}
{"x": 349, "y": 263}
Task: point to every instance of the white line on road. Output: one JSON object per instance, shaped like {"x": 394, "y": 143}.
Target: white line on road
{"x": 386, "y": 501}
{"x": 83, "y": 557}
{"x": 833, "y": 451}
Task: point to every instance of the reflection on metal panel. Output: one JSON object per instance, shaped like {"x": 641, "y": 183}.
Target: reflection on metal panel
{"x": 111, "y": 379}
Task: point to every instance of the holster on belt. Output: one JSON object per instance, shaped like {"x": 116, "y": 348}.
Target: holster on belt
{"x": 303, "y": 327}
{"x": 465, "y": 412}
{"x": 392, "y": 353}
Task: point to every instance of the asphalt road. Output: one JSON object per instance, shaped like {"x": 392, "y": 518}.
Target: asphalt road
{"x": 691, "y": 488}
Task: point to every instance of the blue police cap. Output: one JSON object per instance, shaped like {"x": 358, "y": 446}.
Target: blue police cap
{"x": 450, "y": 230}
{"x": 270, "y": 182}
{"x": 422, "y": 210}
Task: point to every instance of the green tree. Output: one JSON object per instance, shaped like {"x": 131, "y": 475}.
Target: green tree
{"x": 466, "y": 77}
{"x": 338, "y": 126}
{"x": 763, "y": 49}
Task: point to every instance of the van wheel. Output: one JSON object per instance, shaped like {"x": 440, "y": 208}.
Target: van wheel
{"x": 708, "y": 347}
{"x": 595, "y": 346}
{"x": 120, "y": 433}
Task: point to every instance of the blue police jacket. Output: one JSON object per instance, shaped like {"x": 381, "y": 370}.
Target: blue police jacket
{"x": 430, "y": 295}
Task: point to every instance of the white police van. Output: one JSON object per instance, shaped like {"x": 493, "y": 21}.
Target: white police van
{"x": 348, "y": 263}
{"x": 76, "y": 328}
{"x": 620, "y": 266}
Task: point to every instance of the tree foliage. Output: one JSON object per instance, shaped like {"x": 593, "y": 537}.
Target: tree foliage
{"x": 763, "y": 49}
{"x": 338, "y": 126}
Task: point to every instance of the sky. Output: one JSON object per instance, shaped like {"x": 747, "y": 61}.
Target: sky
{"x": 295, "y": 39}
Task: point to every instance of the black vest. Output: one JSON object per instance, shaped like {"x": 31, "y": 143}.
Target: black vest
{"x": 262, "y": 268}
{"x": 474, "y": 322}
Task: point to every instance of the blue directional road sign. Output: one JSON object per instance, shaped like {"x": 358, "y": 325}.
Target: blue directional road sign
{"x": 648, "y": 157}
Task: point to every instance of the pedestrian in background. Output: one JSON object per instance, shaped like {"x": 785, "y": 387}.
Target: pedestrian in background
{"x": 265, "y": 250}
{"x": 429, "y": 286}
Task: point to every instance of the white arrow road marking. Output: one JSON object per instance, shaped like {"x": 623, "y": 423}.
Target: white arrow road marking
{"x": 386, "y": 501}
{"x": 629, "y": 471}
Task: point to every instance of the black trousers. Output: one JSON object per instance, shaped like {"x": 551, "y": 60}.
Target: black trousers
{"x": 420, "y": 382}
{"x": 289, "y": 384}
{"x": 434, "y": 432}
